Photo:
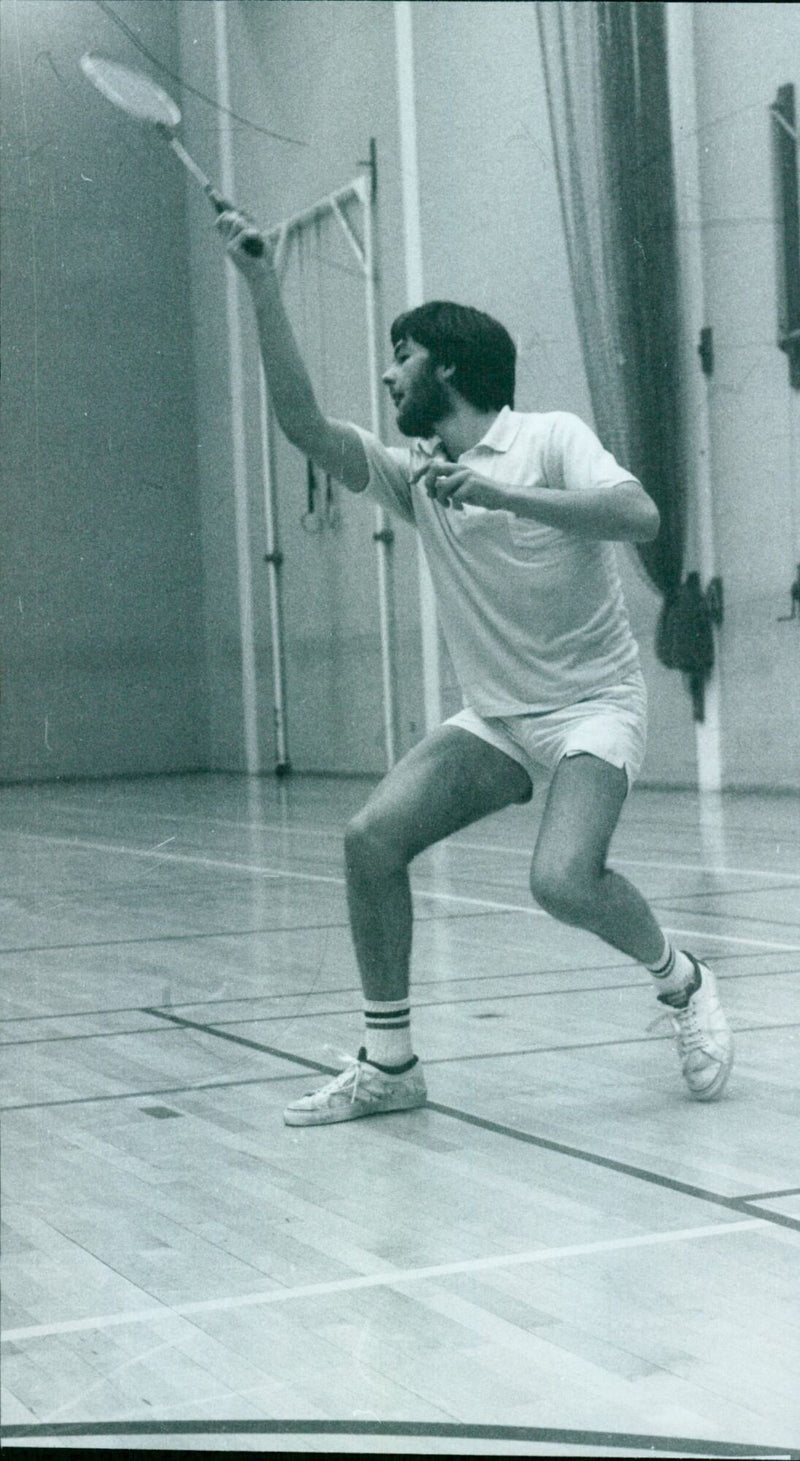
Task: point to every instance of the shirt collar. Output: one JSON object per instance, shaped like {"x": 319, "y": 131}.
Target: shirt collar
{"x": 500, "y": 437}
{"x": 502, "y": 433}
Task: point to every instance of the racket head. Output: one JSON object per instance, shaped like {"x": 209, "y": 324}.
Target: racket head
{"x": 131, "y": 91}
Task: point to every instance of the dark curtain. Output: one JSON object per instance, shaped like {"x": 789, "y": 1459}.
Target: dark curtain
{"x": 606, "y": 75}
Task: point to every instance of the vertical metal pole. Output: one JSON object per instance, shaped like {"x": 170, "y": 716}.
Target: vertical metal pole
{"x": 382, "y": 532}
{"x": 360, "y": 189}
{"x": 236, "y": 386}
{"x": 409, "y": 173}
{"x": 683, "y": 113}
{"x": 273, "y": 559}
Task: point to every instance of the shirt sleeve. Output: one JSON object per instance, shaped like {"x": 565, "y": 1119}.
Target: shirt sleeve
{"x": 576, "y": 460}
{"x": 389, "y": 475}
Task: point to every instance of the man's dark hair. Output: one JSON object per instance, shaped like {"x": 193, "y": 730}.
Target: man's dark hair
{"x": 480, "y": 348}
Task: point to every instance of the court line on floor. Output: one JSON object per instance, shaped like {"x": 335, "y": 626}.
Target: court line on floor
{"x": 592, "y": 1045}
{"x": 256, "y": 1080}
{"x": 167, "y": 938}
{"x": 418, "y": 892}
{"x": 87, "y": 1035}
{"x": 727, "y": 938}
{"x": 455, "y": 841}
{"x": 291, "y": 1017}
{"x": 336, "y": 831}
{"x": 669, "y": 907}
{"x": 221, "y": 1033}
{"x": 644, "y": 1174}
{"x": 351, "y": 988}
{"x": 777, "y": 887}
{"x": 153, "y": 854}
{"x": 478, "y": 903}
{"x": 387, "y": 1278}
{"x": 610, "y": 1441}
{"x": 693, "y": 867}
{"x": 676, "y": 898}
{"x": 636, "y": 815}
{"x": 447, "y": 981}
{"x": 769, "y": 1196}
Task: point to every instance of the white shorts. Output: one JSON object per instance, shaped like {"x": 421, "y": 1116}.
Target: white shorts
{"x": 611, "y": 724}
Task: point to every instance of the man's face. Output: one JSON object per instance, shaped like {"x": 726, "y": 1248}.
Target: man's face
{"x": 420, "y": 396}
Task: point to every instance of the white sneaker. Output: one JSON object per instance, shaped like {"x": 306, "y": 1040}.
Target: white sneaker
{"x": 703, "y": 1036}
{"x": 360, "y": 1089}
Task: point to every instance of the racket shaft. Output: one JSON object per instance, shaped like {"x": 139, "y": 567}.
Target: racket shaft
{"x": 189, "y": 163}
{"x": 252, "y": 246}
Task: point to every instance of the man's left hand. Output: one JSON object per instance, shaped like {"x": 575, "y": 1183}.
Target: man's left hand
{"x": 454, "y": 486}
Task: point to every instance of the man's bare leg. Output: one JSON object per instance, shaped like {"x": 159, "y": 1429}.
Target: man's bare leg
{"x": 451, "y": 779}
{"x": 570, "y": 879}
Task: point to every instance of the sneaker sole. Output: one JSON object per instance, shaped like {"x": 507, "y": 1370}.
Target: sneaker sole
{"x": 717, "y": 1086}
{"x": 321, "y": 1118}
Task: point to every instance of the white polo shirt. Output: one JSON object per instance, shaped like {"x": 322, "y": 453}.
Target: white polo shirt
{"x": 534, "y": 617}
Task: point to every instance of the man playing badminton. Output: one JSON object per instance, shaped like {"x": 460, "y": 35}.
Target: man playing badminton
{"x": 517, "y": 513}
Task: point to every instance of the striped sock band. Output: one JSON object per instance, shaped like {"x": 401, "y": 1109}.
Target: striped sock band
{"x": 674, "y": 971}
{"x": 665, "y": 964}
{"x": 388, "y": 1027}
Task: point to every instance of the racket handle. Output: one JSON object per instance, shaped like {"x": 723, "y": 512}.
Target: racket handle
{"x": 252, "y": 246}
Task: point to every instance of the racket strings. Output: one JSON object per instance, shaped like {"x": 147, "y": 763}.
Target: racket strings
{"x": 187, "y": 85}
{"x": 131, "y": 91}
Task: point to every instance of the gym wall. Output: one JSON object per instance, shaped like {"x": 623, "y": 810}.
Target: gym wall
{"x": 491, "y": 235}
{"x": 743, "y": 54}
{"x": 103, "y": 664}
{"x": 122, "y": 583}
{"x": 323, "y": 74}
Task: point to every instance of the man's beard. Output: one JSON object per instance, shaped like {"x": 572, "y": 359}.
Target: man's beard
{"x": 426, "y": 404}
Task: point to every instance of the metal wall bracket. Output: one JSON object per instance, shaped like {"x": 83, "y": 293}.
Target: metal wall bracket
{"x": 715, "y": 601}
{"x": 794, "y": 595}
{"x": 787, "y": 197}
{"x": 706, "y": 350}
{"x": 371, "y": 162}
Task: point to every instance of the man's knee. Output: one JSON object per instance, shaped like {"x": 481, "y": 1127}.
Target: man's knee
{"x": 374, "y": 845}
{"x": 567, "y": 890}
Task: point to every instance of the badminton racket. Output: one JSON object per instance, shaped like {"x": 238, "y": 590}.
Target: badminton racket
{"x": 134, "y": 93}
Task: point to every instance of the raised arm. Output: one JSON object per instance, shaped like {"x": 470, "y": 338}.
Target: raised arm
{"x": 334, "y": 446}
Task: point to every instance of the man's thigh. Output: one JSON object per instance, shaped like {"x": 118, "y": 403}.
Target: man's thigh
{"x": 449, "y": 780}
{"x": 584, "y": 801}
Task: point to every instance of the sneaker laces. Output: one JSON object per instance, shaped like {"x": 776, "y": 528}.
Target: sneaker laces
{"x": 692, "y": 1035}
{"x": 351, "y": 1074}
{"x": 659, "y": 1020}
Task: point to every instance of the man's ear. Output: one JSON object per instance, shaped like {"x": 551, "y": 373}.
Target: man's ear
{"x": 445, "y": 374}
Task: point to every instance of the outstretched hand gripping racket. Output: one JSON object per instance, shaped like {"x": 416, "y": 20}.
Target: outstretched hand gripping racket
{"x": 141, "y": 98}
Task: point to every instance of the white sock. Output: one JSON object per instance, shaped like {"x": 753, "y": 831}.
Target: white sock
{"x": 388, "y": 1026}
{"x": 673, "y": 972}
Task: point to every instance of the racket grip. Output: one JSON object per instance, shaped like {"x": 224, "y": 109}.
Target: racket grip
{"x": 252, "y": 246}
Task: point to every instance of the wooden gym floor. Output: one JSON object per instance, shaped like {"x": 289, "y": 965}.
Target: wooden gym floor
{"x": 561, "y": 1255}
